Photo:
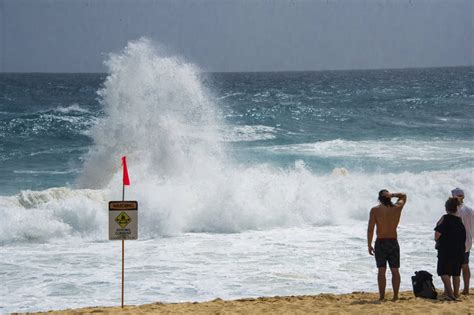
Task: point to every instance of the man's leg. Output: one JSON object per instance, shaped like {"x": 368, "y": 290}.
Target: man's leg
{"x": 448, "y": 290}
{"x": 382, "y": 281}
{"x": 466, "y": 277}
{"x": 456, "y": 284}
{"x": 395, "y": 282}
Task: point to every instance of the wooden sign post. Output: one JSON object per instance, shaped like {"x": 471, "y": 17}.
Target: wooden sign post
{"x": 123, "y": 225}
{"x": 123, "y": 220}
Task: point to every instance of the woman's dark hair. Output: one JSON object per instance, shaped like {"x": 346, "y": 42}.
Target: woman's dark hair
{"x": 451, "y": 205}
{"x": 386, "y": 201}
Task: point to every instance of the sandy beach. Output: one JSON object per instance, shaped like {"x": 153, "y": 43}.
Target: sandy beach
{"x": 353, "y": 303}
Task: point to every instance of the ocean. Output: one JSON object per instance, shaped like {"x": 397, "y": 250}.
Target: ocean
{"x": 249, "y": 184}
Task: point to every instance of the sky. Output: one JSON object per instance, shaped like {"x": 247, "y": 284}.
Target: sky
{"x": 239, "y": 35}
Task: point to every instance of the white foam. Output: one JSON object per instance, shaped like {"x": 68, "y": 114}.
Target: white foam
{"x": 69, "y": 119}
{"x": 247, "y": 133}
{"x": 264, "y": 197}
{"x": 231, "y": 94}
{"x": 390, "y": 149}
{"x": 200, "y": 267}
{"x": 71, "y": 109}
{"x": 40, "y": 216}
{"x": 226, "y": 201}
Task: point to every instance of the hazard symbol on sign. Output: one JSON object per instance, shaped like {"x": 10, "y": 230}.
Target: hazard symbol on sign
{"x": 123, "y": 219}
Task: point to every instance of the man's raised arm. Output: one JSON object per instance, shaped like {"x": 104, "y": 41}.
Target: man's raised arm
{"x": 402, "y": 199}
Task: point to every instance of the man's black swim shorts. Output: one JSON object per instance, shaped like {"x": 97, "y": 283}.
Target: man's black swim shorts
{"x": 387, "y": 249}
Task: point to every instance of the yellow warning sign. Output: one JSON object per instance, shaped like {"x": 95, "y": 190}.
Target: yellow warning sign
{"x": 123, "y": 219}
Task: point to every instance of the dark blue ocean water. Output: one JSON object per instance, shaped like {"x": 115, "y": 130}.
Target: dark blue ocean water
{"x": 327, "y": 119}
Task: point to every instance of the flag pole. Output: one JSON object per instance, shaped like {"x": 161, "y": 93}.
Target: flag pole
{"x": 123, "y": 247}
{"x": 123, "y": 265}
{"x": 125, "y": 181}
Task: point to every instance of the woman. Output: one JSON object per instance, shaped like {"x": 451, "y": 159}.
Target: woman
{"x": 450, "y": 239}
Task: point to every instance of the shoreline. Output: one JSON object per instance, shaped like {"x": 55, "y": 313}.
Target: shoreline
{"x": 356, "y": 302}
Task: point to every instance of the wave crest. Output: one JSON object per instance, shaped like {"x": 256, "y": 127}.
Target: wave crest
{"x": 157, "y": 114}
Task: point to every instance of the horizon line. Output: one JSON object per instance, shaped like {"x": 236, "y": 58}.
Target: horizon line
{"x": 265, "y": 71}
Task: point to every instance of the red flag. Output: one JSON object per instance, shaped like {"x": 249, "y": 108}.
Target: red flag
{"x": 126, "y": 179}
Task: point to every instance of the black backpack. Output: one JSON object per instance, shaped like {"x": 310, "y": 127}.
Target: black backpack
{"x": 423, "y": 285}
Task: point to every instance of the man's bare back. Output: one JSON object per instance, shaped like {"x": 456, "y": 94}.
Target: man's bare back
{"x": 386, "y": 218}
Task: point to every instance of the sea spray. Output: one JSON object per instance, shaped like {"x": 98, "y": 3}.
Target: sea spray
{"x": 157, "y": 113}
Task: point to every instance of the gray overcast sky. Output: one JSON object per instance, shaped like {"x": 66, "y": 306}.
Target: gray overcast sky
{"x": 239, "y": 35}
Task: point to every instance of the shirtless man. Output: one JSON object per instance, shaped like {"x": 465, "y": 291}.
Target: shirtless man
{"x": 386, "y": 217}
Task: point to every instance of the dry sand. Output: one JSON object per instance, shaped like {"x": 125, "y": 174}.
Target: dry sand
{"x": 354, "y": 303}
